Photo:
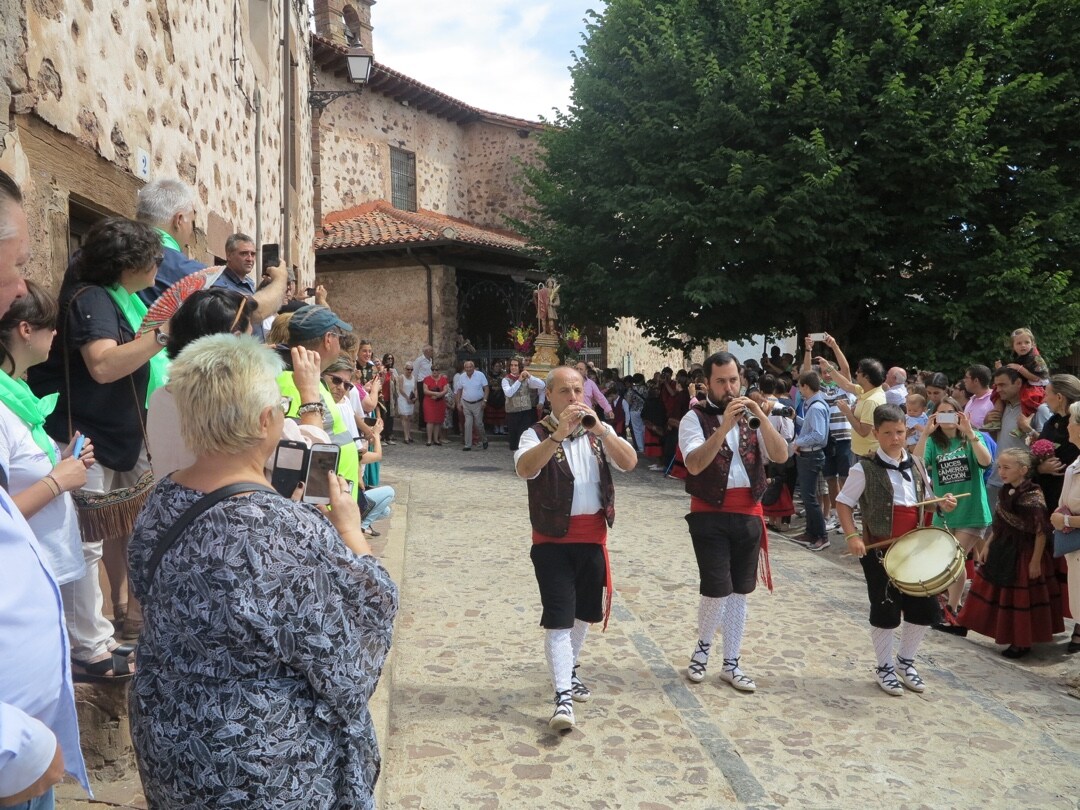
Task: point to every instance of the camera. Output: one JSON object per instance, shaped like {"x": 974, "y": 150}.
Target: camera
{"x": 784, "y": 411}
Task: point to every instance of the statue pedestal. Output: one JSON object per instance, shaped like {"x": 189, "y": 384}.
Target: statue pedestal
{"x": 545, "y": 354}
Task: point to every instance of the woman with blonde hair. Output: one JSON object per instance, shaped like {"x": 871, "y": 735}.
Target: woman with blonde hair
{"x": 267, "y": 621}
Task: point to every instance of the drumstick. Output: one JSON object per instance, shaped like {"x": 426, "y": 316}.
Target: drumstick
{"x": 872, "y": 546}
{"x": 939, "y": 500}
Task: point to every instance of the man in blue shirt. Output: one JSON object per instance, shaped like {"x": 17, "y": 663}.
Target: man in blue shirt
{"x": 810, "y": 459}
{"x": 239, "y": 275}
{"x": 39, "y": 732}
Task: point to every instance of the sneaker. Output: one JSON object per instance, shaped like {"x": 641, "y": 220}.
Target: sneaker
{"x": 466, "y": 449}
{"x": 802, "y": 539}
{"x": 736, "y": 677}
{"x": 656, "y": 468}
{"x": 832, "y": 525}
{"x": 695, "y": 672}
{"x": 581, "y": 693}
{"x": 484, "y": 445}
{"x": 820, "y": 544}
{"x": 563, "y": 717}
{"x": 886, "y": 679}
{"x": 905, "y": 668}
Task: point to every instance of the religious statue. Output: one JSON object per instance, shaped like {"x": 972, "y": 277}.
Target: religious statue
{"x": 546, "y": 297}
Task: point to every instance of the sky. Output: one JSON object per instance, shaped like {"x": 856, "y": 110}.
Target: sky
{"x": 505, "y": 56}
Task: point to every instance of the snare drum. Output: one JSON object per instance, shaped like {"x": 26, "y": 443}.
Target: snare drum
{"x": 924, "y": 562}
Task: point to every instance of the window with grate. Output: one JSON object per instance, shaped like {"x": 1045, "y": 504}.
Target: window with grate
{"x": 402, "y": 179}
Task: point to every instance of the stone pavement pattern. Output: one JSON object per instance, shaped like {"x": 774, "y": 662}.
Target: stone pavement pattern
{"x": 468, "y": 694}
{"x": 471, "y": 696}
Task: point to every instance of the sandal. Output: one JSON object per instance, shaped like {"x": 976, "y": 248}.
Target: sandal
{"x": 370, "y": 532}
{"x": 429, "y": 444}
{"x": 113, "y": 669}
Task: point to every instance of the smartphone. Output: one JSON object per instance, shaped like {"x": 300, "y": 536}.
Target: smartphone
{"x": 948, "y": 419}
{"x": 371, "y": 421}
{"x": 271, "y": 255}
{"x": 309, "y": 292}
{"x": 290, "y": 467}
{"x": 817, "y": 337}
{"x": 323, "y": 459}
{"x": 76, "y": 451}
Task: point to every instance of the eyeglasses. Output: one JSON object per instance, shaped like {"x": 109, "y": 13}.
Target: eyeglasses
{"x": 285, "y": 403}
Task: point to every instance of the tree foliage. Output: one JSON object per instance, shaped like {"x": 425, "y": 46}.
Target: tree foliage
{"x": 902, "y": 174}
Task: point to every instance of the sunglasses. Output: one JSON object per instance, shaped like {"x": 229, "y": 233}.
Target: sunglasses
{"x": 336, "y": 380}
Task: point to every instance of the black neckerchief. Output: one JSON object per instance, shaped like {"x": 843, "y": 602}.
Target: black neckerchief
{"x": 902, "y": 467}
{"x": 709, "y": 407}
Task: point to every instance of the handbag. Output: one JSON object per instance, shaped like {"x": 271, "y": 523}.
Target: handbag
{"x": 1066, "y": 542}
{"x": 775, "y": 486}
{"x": 105, "y": 515}
{"x": 168, "y": 540}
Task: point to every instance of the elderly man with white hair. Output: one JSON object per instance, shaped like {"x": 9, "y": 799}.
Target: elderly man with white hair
{"x": 169, "y": 206}
{"x": 896, "y": 387}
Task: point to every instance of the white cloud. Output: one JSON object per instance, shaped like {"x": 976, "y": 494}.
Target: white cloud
{"x": 506, "y": 56}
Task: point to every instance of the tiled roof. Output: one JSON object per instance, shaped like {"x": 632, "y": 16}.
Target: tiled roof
{"x": 378, "y": 223}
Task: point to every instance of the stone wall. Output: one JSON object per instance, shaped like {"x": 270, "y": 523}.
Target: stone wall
{"x": 110, "y": 80}
{"x": 468, "y": 170}
{"x": 389, "y": 307}
{"x": 497, "y": 152}
{"x": 647, "y": 358}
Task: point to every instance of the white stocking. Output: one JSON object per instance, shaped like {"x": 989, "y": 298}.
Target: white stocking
{"x": 577, "y": 637}
{"x": 911, "y": 636}
{"x": 883, "y": 645}
{"x": 560, "y": 658}
{"x": 710, "y": 615}
{"x": 734, "y": 625}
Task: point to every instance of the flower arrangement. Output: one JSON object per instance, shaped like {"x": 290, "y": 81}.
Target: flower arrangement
{"x": 1042, "y": 449}
{"x": 574, "y": 339}
{"x": 521, "y": 338}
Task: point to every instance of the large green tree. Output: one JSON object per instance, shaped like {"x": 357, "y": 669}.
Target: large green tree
{"x": 902, "y": 174}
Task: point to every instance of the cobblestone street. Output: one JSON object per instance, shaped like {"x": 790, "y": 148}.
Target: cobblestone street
{"x": 470, "y": 695}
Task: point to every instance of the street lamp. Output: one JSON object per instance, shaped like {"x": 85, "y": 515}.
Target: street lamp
{"x": 358, "y": 60}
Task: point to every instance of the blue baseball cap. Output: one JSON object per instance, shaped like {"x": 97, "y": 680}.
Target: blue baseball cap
{"x": 312, "y": 321}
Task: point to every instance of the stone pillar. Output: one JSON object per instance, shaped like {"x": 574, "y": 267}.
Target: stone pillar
{"x": 329, "y": 22}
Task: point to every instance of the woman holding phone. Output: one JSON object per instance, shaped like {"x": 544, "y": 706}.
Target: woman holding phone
{"x": 956, "y": 457}
{"x": 267, "y": 621}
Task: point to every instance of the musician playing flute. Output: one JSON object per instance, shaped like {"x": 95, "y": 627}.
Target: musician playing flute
{"x": 887, "y": 485}
{"x": 567, "y": 460}
{"x": 725, "y": 457}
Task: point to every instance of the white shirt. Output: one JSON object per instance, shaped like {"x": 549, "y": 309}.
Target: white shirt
{"x": 691, "y": 437}
{"x": 896, "y": 395}
{"x": 903, "y": 490}
{"x": 55, "y": 525}
{"x": 421, "y": 367}
{"x": 583, "y": 465}
{"x": 471, "y": 388}
{"x": 511, "y": 388}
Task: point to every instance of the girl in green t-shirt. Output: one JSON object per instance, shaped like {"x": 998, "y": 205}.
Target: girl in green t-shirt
{"x": 956, "y": 457}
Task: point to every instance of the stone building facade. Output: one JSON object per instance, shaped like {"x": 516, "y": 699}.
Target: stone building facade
{"x": 431, "y": 262}
{"x": 102, "y": 97}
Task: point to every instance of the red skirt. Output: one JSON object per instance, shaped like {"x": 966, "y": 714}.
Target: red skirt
{"x": 1027, "y": 612}
{"x": 783, "y": 507}
{"x": 653, "y": 445}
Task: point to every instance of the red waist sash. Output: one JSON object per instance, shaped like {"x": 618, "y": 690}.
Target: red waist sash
{"x": 586, "y": 529}
{"x": 906, "y": 519}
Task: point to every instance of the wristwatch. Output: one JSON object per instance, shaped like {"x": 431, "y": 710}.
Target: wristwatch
{"x": 160, "y": 336}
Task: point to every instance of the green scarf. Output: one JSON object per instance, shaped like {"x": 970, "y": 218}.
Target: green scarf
{"x": 168, "y": 240}
{"x": 134, "y": 311}
{"x": 16, "y": 394}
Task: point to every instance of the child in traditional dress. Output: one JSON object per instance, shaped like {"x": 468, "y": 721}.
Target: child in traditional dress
{"x": 1034, "y": 374}
{"x": 887, "y": 485}
{"x": 1016, "y": 597}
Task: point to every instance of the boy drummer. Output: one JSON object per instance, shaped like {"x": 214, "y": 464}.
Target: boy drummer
{"x": 887, "y": 484}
